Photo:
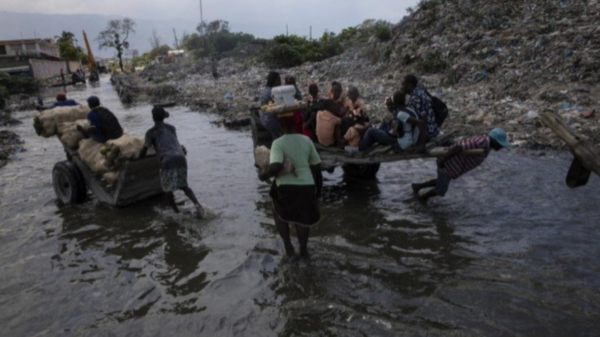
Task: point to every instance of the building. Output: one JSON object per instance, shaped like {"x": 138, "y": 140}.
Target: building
{"x": 41, "y": 48}
{"x": 39, "y": 58}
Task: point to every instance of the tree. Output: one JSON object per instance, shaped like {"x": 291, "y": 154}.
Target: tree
{"x": 67, "y": 49}
{"x": 154, "y": 40}
{"x": 115, "y": 36}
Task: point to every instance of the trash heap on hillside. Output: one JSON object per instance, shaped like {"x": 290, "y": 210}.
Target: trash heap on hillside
{"x": 494, "y": 62}
{"x": 107, "y": 159}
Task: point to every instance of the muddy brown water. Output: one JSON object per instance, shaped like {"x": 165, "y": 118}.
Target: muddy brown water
{"x": 510, "y": 251}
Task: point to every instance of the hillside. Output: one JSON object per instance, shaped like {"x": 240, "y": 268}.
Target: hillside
{"x": 495, "y": 62}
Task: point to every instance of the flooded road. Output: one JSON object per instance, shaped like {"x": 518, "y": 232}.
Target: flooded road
{"x": 510, "y": 251}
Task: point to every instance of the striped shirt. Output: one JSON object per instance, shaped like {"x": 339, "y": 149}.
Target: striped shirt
{"x": 461, "y": 164}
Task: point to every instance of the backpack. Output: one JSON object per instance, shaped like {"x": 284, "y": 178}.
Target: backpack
{"x": 440, "y": 109}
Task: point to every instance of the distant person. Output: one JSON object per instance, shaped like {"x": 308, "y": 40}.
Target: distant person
{"x": 62, "y": 76}
{"x": 310, "y": 113}
{"x": 269, "y": 121}
{"x": 336, "y": 93}
{"x": 294, "y": 194}
{"x": 421, "y": 103}
{"x": 356, "y": 122}
{"x": 104, "y": 125}
{"x": 407, "y": 131}
{"x": 214, "y": 66}
{"x": 329, "y": 125}
{"x": 454, "y": 164}
{"x": 173, "y": 165}
{"x": 61, "y": 100}
{"x": 291, "y": 80}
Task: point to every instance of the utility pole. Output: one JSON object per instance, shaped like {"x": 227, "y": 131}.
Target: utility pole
{"x": 287, "y": 33}
{"x": 176, "y": 40}
{"x": 310, "y": 35}
{"x": 201, "y": 20}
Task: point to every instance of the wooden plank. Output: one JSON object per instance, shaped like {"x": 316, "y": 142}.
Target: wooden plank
{"x": 278, "y": 109}
{"x": 336, "y": 159}
{"x": 581, "y": 147}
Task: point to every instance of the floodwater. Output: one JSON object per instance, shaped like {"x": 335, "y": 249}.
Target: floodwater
{"x": 510, "y": 251}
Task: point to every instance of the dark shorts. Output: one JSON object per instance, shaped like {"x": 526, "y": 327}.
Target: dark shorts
{"x": 296, "y": 204}
{"x": 443, "y": 181}
{"x": 173, "y": 179}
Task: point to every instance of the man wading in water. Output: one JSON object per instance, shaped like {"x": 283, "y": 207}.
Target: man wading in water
{"x": 294, "y": 194}
{"x": 454, "y": 164}
{"x": 173, "y": 165}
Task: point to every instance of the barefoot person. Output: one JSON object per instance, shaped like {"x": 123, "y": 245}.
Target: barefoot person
{"x": 294, "y": 194}
{"x": 173, "y": 165}
{"x": 454, "y": 164}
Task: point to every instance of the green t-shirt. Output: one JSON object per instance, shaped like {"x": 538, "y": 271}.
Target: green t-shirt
{"x": 301, "y": 151}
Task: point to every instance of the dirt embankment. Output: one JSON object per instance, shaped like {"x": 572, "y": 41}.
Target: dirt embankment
{"x": 495, "y": 63}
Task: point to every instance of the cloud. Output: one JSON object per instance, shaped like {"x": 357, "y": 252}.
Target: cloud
{"x": 264, "y": 18}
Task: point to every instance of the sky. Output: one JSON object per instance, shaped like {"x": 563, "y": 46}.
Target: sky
{"x": 263, "y": 18}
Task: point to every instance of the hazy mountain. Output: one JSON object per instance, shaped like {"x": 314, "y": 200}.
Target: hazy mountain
{"x": 30, "y": 25}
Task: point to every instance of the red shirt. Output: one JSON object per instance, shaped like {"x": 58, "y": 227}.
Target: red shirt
{"x": 461, "y": 164}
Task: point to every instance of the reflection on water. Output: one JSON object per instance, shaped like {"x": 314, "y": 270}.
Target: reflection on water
{"x": 509, "y": 251}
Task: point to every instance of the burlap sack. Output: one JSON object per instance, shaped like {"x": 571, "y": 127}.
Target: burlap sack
{"x": 69, "y": 135}
{"x": 89, "y": 151}
{"x": 129, "y": 146}
{"x": 262, "y": 158}
{"x": 46, "y": 123}
{"x": 111, "y": 177}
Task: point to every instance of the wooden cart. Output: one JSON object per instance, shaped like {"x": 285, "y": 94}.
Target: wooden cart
{"x": 137, "y": 181}
{"x": 356, "y": 164}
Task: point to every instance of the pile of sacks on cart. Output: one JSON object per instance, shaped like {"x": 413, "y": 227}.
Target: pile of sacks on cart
{"x": 107, "y": 159}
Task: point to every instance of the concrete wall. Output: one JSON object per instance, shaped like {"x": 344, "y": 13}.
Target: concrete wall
{"x": 73, "y": 66}
{"x": 43, "y": 69}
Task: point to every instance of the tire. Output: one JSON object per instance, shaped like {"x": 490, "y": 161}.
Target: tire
{"x": 68, "y": 183}
{"x": 367, "y": 172}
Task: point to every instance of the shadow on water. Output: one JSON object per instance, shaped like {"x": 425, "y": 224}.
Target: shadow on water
{"x": 509, "y": 251}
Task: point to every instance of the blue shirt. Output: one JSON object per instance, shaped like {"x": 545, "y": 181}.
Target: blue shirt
{"x": 68, "y": 102}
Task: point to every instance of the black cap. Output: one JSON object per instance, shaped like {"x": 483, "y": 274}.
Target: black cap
{"x": 159, "y": 114}
{"x": 93, "y": 101}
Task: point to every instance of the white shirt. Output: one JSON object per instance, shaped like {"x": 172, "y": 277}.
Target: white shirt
{"x": 411, "y": 131}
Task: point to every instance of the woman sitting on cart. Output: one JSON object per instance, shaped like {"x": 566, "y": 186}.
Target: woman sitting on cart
{"x": 356, "y": 122}
{"x": 329, "y": 125}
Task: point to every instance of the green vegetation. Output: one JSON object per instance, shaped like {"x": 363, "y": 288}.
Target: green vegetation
{"x": 215, "y": 38}
{"x": 66, "y": 46}
{"x": 16, "y": 85}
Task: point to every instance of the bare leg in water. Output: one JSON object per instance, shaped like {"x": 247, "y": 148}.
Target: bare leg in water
{"x": 432, "y": 193}
{"x": 284, "y": 231}
{"x": 190, "y": 194}
{"x": 171, "y": 200}
{"x": 302, "y": 232}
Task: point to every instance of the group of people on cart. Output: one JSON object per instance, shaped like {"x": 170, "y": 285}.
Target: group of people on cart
{"x": 341, "y": 120}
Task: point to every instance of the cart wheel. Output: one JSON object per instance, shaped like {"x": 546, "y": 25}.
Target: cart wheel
{"x": 362, "y": 171}
{"x": 68, "y": 183}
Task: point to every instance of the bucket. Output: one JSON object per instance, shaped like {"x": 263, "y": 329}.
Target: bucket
{"x": 284, "y": 95}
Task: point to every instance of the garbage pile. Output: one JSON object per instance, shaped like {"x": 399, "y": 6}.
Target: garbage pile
{"x": 9, "y": 144}
{"x": 494, "y": 62}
